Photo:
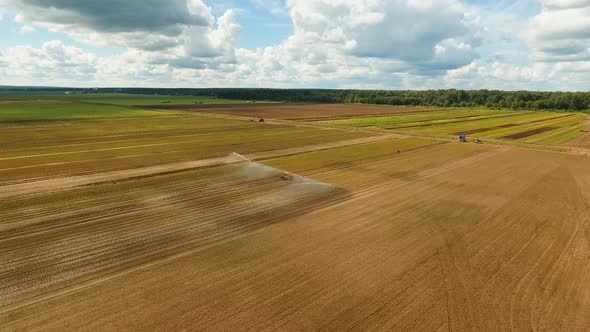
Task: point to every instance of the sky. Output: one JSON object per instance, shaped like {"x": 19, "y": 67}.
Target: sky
{"x": 345, "y": 44}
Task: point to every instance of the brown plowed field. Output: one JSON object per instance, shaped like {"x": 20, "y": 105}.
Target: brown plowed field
{"x": 371, "y": 232}
{"x": 289, "y": 111}
{"x": 445, "y": 237}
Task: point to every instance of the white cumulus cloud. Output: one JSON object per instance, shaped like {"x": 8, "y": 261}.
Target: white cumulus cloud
{"x": 561, "y": 32}
{"x": 27, "y": 29}
{"x": 52, "y": 62}
{"x": 426, "y": 34}
{"x": 385, "y": 44}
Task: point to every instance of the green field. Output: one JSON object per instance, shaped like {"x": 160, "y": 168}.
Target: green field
{"x": 521, "y": 126}
{"x": 34, "y": 110}
{"x": 16, "y": 107}
{"x": 122, "y": 99}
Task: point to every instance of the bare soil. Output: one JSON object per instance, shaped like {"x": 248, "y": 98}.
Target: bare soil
{"x": 453, "y": 237}
{"x": 528, "y": 133}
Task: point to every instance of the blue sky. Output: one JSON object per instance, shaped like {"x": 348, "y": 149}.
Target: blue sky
{"x": 260, "y": 28}
{"x": 385, "y": 44}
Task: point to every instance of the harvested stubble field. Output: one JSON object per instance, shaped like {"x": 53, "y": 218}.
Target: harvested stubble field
{"x": 440, "y": 236}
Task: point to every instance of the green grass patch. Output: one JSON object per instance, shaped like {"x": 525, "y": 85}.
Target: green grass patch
{"x": 559, "y": 136}
{"x": 557, "y": 122}
{"x": 122, "y": 99}
{"x": 410, "y": 120}
{"x": 483, "y": 123}
{"x": 47, "y": 110}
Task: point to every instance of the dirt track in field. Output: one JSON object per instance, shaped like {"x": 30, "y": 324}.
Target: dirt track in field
{"x": 297, "y": 111}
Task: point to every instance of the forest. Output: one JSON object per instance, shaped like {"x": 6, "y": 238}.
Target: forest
{"x": 492, "y": 99}
{"x": 571, "y": 101}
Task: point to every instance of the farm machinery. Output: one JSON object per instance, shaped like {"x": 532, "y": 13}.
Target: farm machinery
{"x": 463, "y": 139}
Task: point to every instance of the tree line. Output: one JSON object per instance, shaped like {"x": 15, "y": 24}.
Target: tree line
{"x": 493, "y": 99}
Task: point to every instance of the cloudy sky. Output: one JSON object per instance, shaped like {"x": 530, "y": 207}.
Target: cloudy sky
{"x": 384, "y": 44}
